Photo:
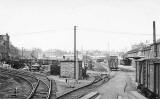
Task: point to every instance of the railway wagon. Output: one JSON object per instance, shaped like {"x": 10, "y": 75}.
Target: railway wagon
{"x": 46, "y": 61}
{"x": 35, "y": 67}
{"x": 148, "y": 77}
{"x": 113, "y": 62}
{"x": 125, "y": 62}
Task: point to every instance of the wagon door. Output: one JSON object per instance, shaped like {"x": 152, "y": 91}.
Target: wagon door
{"x": 145, "y": 73}
{"x": 137, "y": 72}
{"x": 157, "y": 78}
{"x": 151, "y": 77}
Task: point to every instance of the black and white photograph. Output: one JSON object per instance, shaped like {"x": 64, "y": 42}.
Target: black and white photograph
{"x": 79, "y": 49}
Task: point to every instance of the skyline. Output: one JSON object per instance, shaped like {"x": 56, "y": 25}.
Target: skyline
{"x": 102, "y": 24}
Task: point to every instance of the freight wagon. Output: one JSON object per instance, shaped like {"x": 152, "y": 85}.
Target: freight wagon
{"x": 125, "y": 62}
{"x": 148, "y": 77}
{"x": 46, "y": 61}
{"x": 113, "y": 62}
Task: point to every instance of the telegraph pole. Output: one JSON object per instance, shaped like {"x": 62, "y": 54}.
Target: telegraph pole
{"x": 154, "y": 39}
{"x": 155, "y": 50}
{"x": 22, "y": 52}
{"x": 75, "y": 51}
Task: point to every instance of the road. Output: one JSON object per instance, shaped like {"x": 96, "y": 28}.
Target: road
{"x": 121, "y": 85}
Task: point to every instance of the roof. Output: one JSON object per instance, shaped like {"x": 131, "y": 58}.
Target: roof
{"x": 139, "y": 49}
{"x": 137, "y": 57}
{"x": 155, "y": 60}
{"x": 146, "y": 48}
{"x": 133, "y": 51}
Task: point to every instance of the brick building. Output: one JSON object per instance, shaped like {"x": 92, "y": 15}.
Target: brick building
{"x": 68, "y": 70}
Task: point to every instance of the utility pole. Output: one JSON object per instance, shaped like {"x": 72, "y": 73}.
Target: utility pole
{"x": 75, "y": 57}
{"x": 8, "y": 49}
{"x": 22, "y": 52}
{"x": 154, "y": 49}
{"x": 77, "y": 67}
{"x": 154, "y": 39}
{"x": 109, "y": 47}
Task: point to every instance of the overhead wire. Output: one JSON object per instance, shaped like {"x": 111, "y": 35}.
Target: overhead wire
{"x": 89, "y": 30}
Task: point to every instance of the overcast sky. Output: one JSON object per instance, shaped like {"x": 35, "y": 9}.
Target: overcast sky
{"x": 102, "y": 24}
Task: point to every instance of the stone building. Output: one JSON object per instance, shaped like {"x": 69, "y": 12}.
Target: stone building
{"x": 4, "y": 47}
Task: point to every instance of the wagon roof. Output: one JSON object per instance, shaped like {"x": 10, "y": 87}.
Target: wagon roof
{"x": 136, "y": 57}
{"x": 154, "y": 60}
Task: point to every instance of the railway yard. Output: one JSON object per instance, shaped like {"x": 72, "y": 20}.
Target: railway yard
{"x": 133, "y": 77}
{"x": 88, "y": 77}
{"x": 103, "y": 84}
{"x": 79, "y": 49}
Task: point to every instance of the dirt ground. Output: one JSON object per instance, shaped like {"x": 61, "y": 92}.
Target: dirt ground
{"x": 121, "y": 85}
{"x": 63, "y": 87}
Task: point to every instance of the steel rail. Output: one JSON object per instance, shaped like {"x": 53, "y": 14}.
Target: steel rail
{"x": 18, "y": 72}
{"x": 20, "y": 76}
{"x": 11, "y": 72}
{"x": 33, "y": 91}
{"x": 34, "y": 88}
{"x": 50, "y": 89}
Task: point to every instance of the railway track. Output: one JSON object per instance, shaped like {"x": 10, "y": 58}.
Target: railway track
{"x": 28, "y": 81}
{"x": 80, "y": 92}
{"x": 39, "y": 88}
{"x": 42, "y": 91}
{"x": 9, "y": 84}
